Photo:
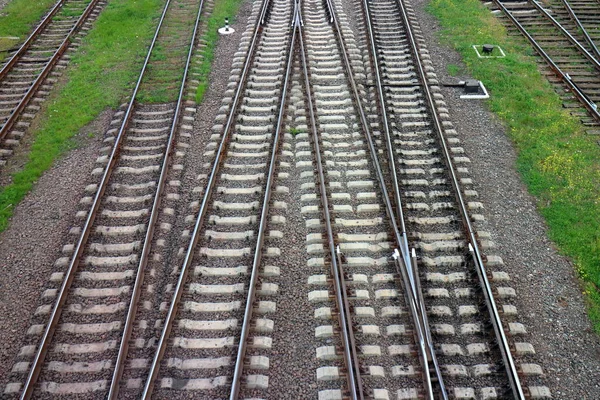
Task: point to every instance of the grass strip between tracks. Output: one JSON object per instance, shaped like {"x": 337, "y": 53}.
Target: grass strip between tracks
{"x": 102, "y": 72}
{"x": 557, "y": 160}
{"x": 222, "y": 9}
{"x": 18, "y": 19}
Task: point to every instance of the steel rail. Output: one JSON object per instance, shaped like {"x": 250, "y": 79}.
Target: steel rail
{"x": 404, "y": 269}
{"x": 504, "y": 347}
{"x": 78, "y": 251}
{"x": 241, "y": 353}
{"x": 414, "y": 307}
{"x": 145, "y": 254}
{"x": 195, "y": 236}
{"x": 12, "y": 119}
{"x": 425, "y": 321}
{"x": 421, "y": 315}
{"x": 566, "y": 33}
{"x": 15, "y": 57}
{"x": 385, "y": 123}
{"x": 584, "y": 31}
{"x": 353, "y": 374}
{"x": 348, "y": 343}
{"x": 583, "y": 98}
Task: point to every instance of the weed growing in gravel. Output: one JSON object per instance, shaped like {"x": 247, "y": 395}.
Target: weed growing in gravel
{"x": 558, "y": 161}
{"x": 100, "y": 76}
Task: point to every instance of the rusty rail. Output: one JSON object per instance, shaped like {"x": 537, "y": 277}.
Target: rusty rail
{"x": 567, "y": 34}
{"x": 139, "y": 279}
{"x": 583, "y": 98}
{"x": 414, "y": 297}
{"x": 495, "y": 320}
{"x": 584, "y": 31}
{"x": 403, "y": 258}
{"x": 36, "y": 32}
{"x": 38, "y": 362}
{"x": 241, "y": 353}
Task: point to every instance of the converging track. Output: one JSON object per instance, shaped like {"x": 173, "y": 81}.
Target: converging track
{"x": 435, "y": 205}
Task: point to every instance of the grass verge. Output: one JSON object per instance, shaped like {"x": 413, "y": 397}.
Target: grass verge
{"x": 101, "y": 73}
{"x": 557, "y": 160}
{"x": 222, "y": 9}
{"x": 17, "y": 20}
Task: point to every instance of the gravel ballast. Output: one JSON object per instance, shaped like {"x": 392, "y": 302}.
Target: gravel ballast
{"x": 33, "y": 241}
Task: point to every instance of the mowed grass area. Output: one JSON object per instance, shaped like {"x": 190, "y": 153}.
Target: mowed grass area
{"x": 557, "y": 160}
{"x": 18, "y": 18}
{"x": 101, "y": 75}
{"x": 222, "y": 9}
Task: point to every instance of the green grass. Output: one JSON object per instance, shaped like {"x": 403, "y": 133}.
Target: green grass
{"x": 101, "y": 75}
{"x": 163, "y": 78}
{"x": 18, "y": 18}
{"x": 223, "y": 9}
{"x": 557, "y": 160}
{"x": 6, "y": 43}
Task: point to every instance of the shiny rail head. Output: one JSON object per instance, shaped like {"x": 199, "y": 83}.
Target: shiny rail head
{"x": 268, "y": 7}
{"x": 329, "y": 10}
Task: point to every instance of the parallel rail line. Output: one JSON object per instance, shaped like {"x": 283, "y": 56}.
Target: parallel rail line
{"x": 471, "y": 235}
{"x": 96, "y": 205}
{"x": 465, "y": 218}
{"x": 581, "y": 27}
{"x": 414, "y": 296}
{"x": 25, "y": 59}
{"x": 254, "y": 125}
{"x": 565, "y": 64}
{"x": 404, "y": 267}
{"x": 350, "y": 353}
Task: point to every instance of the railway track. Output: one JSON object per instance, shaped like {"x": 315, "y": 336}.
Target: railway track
{"x": 588, "y": 14}
{"x": 566, "y": 48}
{"x": 355, "y": 134}
{"x": 29, "y": 73}
{"x": 436, "y": 213}
{"x": 86, "y": 318}
{"x": 568, "y": 16}
{"x": 216, "y": 327}
{"x": 465, "y": 292}
{"x": 372, "y": 369}
{"x": 381, "y": 360}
